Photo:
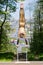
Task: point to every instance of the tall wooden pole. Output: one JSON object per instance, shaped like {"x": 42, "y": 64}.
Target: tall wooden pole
{"x": 21, "y": 31}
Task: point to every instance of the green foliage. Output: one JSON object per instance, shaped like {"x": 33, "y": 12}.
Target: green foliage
{"x": 7, "y": 56}
{"x": 41, "y": 57}
{"x": 33, "y": 57}
{"x": 7, "y": 26}
{"x": 9, "y": 3}
{"x": 5, "y": 41}
{"x": 30, "y": 56}
{"x": 6, "y": 45}
{"x": 4, "y": 6}
{"x": 36, "y": 44}
{"x": 3, "y": 12}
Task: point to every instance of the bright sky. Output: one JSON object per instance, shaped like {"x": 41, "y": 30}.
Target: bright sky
{"x": 28, "y": 9}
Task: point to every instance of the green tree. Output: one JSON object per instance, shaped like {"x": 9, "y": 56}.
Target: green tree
{"x": 4, "y": 5}
{"x": 36, "y": 45}
{"x": 5, "y": 41}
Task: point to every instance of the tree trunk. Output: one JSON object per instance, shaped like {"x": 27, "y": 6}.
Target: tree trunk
{"x": 1, "y": 28}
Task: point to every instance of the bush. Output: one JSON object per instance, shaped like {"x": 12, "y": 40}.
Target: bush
{"x": 35, "y": 57}
{"x": 7, "y": 55}
{"x": 30, "y": 57}
{"x": 41, "y": 57}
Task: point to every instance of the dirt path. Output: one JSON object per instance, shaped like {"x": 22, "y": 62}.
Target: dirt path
{"x": 22, "y": 63}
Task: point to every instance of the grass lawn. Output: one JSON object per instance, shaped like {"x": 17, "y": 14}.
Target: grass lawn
{"x": 5, "y": 60}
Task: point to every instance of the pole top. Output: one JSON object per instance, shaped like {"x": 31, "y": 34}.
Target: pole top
{"x": 21, "y": 5}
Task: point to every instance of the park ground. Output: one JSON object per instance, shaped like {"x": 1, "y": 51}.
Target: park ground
{"x": 22, "y": 63}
